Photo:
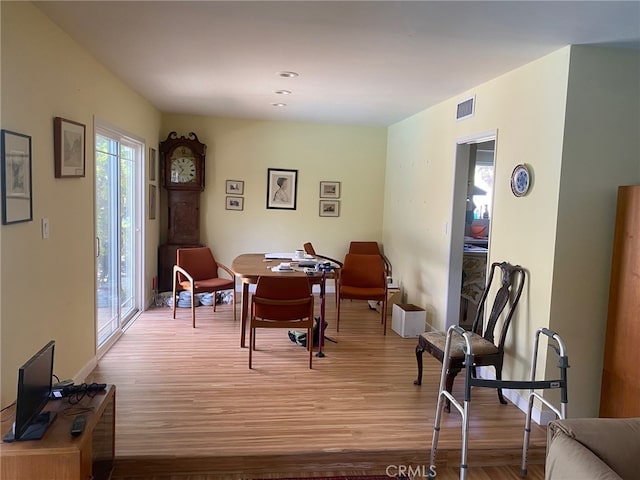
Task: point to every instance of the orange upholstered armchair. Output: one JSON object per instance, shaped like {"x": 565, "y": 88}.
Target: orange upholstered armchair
{"x": 282, "y": 302}
{"x": 363, "y": 277}
{"x": 196, "y": 270}
{"x": 371, "y": 248}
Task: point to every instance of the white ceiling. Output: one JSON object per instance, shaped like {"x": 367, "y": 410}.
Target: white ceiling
{"x": 362, "y": 62}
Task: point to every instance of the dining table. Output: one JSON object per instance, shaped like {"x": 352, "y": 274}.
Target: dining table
{"x": 249, "y": 267}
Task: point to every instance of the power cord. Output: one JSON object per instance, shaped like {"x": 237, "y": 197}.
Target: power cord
{"x": 75, "y": 393}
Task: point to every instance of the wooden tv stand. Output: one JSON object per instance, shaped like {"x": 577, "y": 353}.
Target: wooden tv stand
{"x": 58, "y": 455}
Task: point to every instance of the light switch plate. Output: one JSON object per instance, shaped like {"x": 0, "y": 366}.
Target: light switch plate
{"x": 45, "y": 228}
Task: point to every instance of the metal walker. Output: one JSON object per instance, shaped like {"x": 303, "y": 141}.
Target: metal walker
{"x": 472, "y": 381}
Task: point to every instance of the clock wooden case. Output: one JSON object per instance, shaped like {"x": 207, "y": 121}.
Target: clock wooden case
{"x": 183, "y": 161}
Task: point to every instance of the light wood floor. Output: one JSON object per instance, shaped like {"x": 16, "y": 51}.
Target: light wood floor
{"x": 188, "y": 404}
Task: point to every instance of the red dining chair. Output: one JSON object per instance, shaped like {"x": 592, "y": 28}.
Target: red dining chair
{"x": 282, "y": 302}
{"x": 362, "y": 277}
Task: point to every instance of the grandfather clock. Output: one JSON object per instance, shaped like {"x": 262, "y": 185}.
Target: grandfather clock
{"x": 182, "y": 159}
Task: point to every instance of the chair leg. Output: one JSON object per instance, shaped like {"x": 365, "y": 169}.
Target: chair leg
{"x": 383, "y": 307}
{"x": 174, "y": 299}
{"x": 251, "y": 338}
{"x": 499, "y": 377}
{"x": 419, "y": 352}
{"x": 338, "y": 315}
{"x": 193, "y": 309}
{"x": 233, "y": 303}
{"x": 310, "y": 345}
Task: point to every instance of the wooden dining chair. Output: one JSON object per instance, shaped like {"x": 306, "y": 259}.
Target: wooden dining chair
{"x": 282, "y": 302}
{"x": 362, "y": 277}
{"x": 487, "y": 352}
{"x": 196, "y": 270}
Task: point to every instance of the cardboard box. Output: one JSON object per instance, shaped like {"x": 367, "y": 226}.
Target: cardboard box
{"x": 394, "y": 295}
{"x": 408, "y": 320}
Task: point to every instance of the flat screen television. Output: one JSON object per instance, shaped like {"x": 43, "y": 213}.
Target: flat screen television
{"x": 34, "y": 388}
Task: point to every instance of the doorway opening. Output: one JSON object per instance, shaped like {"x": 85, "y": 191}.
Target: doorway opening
{"x": 472, "y": 212}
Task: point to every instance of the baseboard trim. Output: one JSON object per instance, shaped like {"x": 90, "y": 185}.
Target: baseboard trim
{"x": 82, "y": 375}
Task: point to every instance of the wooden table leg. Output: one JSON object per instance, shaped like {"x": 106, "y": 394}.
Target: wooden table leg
{"x": 245, "y": 311}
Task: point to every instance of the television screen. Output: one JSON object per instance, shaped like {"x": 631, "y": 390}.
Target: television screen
{"x": 34, "y": 388}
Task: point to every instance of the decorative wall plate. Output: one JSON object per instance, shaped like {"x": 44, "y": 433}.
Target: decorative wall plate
{"x": 520, "y": 180}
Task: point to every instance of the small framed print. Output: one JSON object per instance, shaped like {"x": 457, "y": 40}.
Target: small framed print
{"x": 69, "y": 146}
{"x": 17, "y": 200}
{"x": 152, "y": 164}
{"x": 152, "y": 202}
{"x": 329, "y": 189}
{"x": 235, "y": 187}
{"x": 235, "y": 203}
{"x": 329, "y": 208}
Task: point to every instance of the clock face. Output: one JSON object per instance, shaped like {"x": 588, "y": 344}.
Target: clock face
{"x": 183, "y": 166}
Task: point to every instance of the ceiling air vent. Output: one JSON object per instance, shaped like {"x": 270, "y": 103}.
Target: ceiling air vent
{"x": 466, "y": 108}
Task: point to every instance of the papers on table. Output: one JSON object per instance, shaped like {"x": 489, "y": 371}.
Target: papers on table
{"x": 283, "y": 267}
{"x": 285, "y": 256}
{"x": 278, "y": 256}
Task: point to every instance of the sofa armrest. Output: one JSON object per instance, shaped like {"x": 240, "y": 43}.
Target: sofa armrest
{"x": 568, "y": 459}
{"x": 615, "y": 441}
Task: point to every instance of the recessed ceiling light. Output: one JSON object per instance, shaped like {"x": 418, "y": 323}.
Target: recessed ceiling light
{"x": 279, "y": 104}
{"x": 283, "y": 92}
{"x": 288, "y": 74}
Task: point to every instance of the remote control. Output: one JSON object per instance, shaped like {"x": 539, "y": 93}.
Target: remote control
{"x": 78, "y": 425}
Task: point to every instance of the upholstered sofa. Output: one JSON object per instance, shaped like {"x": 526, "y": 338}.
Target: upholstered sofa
{"x": 593, "y": 448}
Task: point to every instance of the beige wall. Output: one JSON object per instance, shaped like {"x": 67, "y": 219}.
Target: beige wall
{"x": 548, "y": 231}
{"x": 422, "y": 151}
{"x": 245, "y": 149}
{"x": 48, "y": 285}
{"x": 601, "y": 151}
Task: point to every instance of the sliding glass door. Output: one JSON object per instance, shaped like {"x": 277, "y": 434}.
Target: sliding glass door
{"x": 118, "y": 231}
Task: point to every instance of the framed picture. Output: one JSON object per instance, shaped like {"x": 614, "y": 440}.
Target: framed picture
{"x": 152, "y": 164}
{"x": 68, "y": 142}
{"x": 17, "y": 204}
{"x": 152, "y": 201}
{"x": 329, "y": 208}
{"x": 329, "y": 189}
{"x": 235, "y": 187}
{"x": 282, "y": 188}
{"x": 235, "y": 203}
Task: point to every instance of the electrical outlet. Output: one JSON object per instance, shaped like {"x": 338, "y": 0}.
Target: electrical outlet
{"x": 45, "y": 228}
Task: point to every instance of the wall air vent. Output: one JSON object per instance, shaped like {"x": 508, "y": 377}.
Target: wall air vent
{"x": 466, "y": 108}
